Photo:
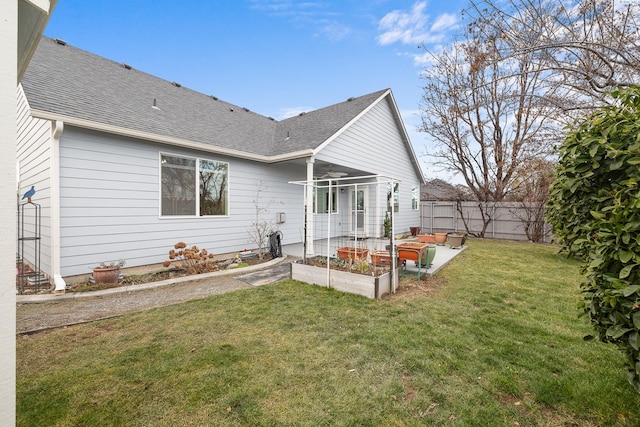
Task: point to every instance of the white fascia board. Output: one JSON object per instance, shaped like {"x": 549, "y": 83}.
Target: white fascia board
{"x": 43, "y": 5}
{"x": 147, "y": 136}
{"x": 407, "y": 141}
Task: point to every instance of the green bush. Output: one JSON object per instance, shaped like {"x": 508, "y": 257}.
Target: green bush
{"x": 594, "y": 209}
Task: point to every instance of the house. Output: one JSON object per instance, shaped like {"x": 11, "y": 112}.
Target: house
{"x": 126, "y": 164}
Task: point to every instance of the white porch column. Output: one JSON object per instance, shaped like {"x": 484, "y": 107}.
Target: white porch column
{"x": 309, "y": 206}
{"x": 8, "y": 137}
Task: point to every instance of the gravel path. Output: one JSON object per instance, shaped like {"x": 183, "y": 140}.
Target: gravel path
{"x": 65, "y": 310}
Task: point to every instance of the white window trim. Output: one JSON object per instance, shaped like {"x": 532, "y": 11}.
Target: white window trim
{"x": 197, "y": 208}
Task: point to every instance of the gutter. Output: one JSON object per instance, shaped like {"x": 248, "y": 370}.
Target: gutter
{"x": 178, "y": 142}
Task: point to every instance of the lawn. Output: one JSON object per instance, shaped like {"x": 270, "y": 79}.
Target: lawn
{"x": 493, "y": 340}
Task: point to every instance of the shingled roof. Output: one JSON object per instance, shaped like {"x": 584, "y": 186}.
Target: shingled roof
{"x": 69, "y": 84}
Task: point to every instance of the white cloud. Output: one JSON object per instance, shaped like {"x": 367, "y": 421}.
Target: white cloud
{"x": 318, "y": 16}
{"x": 414, "y": 27}
{"x": 335, "y": 31}
{"x": 445, "y": 22}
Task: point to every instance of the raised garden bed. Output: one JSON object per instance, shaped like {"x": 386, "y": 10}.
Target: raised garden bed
{"x": 373, "y": 285}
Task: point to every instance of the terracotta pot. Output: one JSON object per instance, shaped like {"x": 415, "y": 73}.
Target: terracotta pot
{"x": 427, "y": 238}
{"x": 414, "y": 230}
{"x": 349, "y": 252}
{"x": 106, "y": 274}
{"x": 381, "y": 258}
{"x": 441, "y": 238}
{"x": 413, "y": 251}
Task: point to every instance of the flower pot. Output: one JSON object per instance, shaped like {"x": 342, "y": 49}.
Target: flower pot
{"x": 109, "y": 274}
{"x": 441, "y": 238}
{"x": 431, "y": 254}
{"x": 349, "y": 252}
{"x": 413, "y": 251}
{"x": 427, "y": 238}
{"x": 381, "y": 258}
{"x": 414, "y": 230}
{"x": 456, "y": 240}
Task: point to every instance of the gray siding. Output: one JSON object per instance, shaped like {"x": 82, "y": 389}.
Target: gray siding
{"x": 374, "y": 144}
{"x": 110, "y": 203}
{"x": 34, "y": 159}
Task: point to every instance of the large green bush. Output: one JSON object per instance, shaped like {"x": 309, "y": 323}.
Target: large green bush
{"x": 594, "y": 209}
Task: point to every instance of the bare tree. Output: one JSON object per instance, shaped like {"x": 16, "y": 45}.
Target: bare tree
{"x": 485, "y": 116}
{"x": 587, "y": 48}
{"x": 261, "y": 228}
{"x": 532, "y": 193}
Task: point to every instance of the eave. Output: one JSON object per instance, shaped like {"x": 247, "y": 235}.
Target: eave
{"x": 178, "y": 142}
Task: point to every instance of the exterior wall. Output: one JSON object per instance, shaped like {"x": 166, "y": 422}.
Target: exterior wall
{"x": 34, "y": 160}
{"x": 374, "y": 144}
{"x": 110, "y": 203}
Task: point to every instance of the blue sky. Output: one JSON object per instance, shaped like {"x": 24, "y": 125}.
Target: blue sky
{"x": 275, "y": 57}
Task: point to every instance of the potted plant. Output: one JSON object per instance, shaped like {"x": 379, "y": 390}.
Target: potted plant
{"x": 108, "y": 273}
{"x": 414, "y": 230}
{"x": 387, "y": 225}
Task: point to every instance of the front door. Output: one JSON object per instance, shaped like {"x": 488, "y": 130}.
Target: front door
{"x": 358, "y": 222}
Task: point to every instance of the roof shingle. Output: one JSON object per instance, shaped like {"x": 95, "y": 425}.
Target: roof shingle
{"x": 67, "y": 81}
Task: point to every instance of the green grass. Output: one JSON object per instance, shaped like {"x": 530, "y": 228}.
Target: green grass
{"x": 495, "y": 341}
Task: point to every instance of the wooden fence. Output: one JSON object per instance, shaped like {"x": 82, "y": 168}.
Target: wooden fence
{"x": 506, "y": 219}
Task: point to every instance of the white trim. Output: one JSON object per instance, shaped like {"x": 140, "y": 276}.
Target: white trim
{"x": 197, "y": 195}
{"x": 43, "y": 5}
{"x": 178, "y": 142}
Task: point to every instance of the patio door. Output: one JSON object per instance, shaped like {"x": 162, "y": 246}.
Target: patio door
{"x": 358, "y": 221}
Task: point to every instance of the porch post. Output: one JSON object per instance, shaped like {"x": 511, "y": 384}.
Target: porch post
{"x": 308, "y": 204}
{"x": 8, "y": 138}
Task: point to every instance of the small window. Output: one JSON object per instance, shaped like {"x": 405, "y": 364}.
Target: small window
{"x": 415, "y": 198}
{"x": 193, "y": 187}
{"x": 322, "y": 201}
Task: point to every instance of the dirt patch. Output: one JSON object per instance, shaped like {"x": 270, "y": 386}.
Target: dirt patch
{"x": 412, "y": 287}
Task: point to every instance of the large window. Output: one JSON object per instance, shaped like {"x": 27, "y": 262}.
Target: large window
{"x": 193, "y": 187}
{"x": 322, "y": 200}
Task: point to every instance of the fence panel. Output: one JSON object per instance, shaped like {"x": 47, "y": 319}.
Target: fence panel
{"x": 506, "y": 219}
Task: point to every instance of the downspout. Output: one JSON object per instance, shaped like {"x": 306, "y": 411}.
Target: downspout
{"x": 309, "y": 208}
{"x": 56, "y": 133}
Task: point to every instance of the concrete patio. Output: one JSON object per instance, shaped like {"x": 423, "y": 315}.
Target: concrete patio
{"x": 444, "y": 254}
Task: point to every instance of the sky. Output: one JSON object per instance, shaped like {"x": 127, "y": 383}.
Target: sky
{"x": 275, "y": 57}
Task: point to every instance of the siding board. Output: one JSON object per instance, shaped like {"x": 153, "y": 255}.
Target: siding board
{"x": 110, "y": 189}
{"x": 33, "y": 152}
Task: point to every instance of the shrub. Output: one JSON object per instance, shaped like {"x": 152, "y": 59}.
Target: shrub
{"x": 193, "y": 260}
{"x": 594, "y": 209}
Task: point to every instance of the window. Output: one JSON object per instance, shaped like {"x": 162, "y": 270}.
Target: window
{"x": 322, "y": 197}
{"x": 183, "y": 176}
{"x": 415, "y": 199}
{"x": 393, "y": 190}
